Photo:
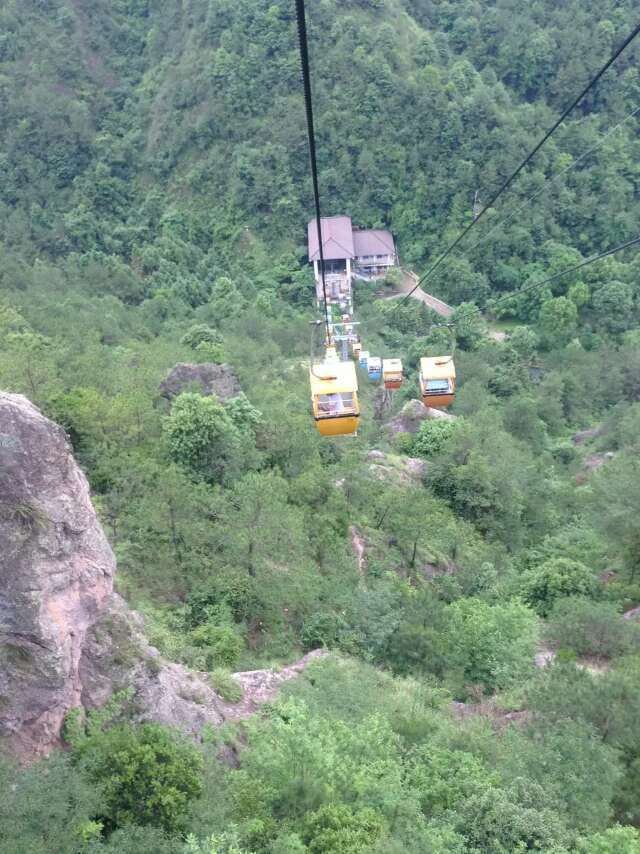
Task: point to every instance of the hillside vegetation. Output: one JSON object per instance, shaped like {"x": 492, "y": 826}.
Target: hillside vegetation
{"x": 154, "y": 196}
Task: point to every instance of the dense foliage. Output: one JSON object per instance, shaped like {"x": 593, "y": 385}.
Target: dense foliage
{"x": 153, "y": 203}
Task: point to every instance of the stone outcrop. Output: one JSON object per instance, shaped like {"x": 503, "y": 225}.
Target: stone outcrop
{"x": 56, "y": 576}
{"x": 583, "y": 436}
{"x": 66, "y": 639}
{"x": 394, "y": 467}
{"x": 411, "y": 416}
{"x": 207, "y": 378}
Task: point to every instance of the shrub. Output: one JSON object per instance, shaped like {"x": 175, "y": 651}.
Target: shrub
{"x": 200, "y": 333}
{"x": 202, "y": 438}
{"x": 590, "y": 628}
{"x": 614, "y": 840}
{"x": 221, "y": 645}
{"x": 226, "y": 686}
{"x": 337, "y": 828}
{"x": 555, "y": 578}
{"x": 147, "y": 775}
{"x": 493, "y": 645}
{"x": 432, "y": 436}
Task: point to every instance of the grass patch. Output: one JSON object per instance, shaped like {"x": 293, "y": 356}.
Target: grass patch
{"x": 226, "y": 686}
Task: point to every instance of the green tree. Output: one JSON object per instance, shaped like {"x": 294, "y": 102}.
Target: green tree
{"x": 590, "y": 628}
{"x": 498, "y": 821}
{"x": 614, "y": 840}
{"x": 613, "y": 305}
{"x": 200, "y": 333}
{"x": 555, "y": 578}
{"x": 432, "y": 436}
{"x": 469, "y": 325}
{"x": 338, "y": 828}
{"x": 146, "y": 774}
{"x": 444, "y": 779}
{"x": 558, "y": 321}
{"x": 616, "y": 509}
{"x": 48, "y": 806}
{"x": 202, "y": 437}
{"x": 492, "y": 645}
{"x": 566, "y": 759}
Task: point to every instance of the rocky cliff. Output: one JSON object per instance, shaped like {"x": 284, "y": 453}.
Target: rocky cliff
{"x": 56, "y": 576}
{"x": 66, "y": 639}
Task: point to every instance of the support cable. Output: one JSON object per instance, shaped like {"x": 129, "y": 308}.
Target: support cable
{"x": 526, "y": 160}
{"x": 552, "y": 180}
{"x": 633, "y": 242}
{"x": 306, "y": 79}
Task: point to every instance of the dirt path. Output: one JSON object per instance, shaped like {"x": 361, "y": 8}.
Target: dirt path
{"x": 262, "y": 686}
{"x": 497, "y": 334}
{"x": 359, "y": 546}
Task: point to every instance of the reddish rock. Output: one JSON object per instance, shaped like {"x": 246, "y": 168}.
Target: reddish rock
{"x": 583, "y": 436}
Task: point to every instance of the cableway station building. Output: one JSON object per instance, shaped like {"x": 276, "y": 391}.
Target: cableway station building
{"x": 349, "y": 253}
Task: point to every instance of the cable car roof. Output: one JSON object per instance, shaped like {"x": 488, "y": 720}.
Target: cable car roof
{"x": 392, "y": 365}
{"x": 438, "y": 367}
{"x": 333, "y": 377}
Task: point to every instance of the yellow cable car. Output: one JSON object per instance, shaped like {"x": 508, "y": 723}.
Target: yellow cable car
{"x": 392, "y": 373}
{"x": 334, "y": 396}
{"x": 437, "y": 381}
{"x": 356, "y": 348}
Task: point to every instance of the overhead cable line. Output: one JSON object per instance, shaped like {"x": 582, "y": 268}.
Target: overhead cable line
{"x": 526, "y": 160}
{"x": 306, "y": 79}
{"x": 633, "y": 242}
{"x": 552, "y": 180}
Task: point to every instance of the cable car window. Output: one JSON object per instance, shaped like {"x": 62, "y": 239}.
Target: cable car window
{"x": 330, "y": 404}
{"x": 436, "y": 385}
{"x": 335, "y": 404}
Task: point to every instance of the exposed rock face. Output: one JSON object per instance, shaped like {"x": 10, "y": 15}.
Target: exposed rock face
{"x": 66, "y": 639}
{"x": 413, "y": 413}
{"x": 392, "y": 467}
{"x": 374, "y": 455}
{"x": 56, "y": 576}
{"x": 583, "y": 436}
{"x": 359, "y": 547}
{"x": 416, "y": 467}
{"x": 262, "y": 686}
{"x": 208, "y": 377}
{"x": 118, "y": 656}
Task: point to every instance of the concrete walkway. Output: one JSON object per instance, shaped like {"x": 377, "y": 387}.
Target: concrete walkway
{"x": 409, "y": 281}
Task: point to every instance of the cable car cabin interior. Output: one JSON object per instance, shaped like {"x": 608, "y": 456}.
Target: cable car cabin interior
{"x": 437, "y": 381}
{"x": 374, "y": 368}
{"x": 392, "y": 373}
{"x": 334, "y": 397}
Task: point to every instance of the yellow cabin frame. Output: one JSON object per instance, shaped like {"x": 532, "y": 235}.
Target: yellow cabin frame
{"x": 334, "y": 396}
{"x": 442, "y": 369}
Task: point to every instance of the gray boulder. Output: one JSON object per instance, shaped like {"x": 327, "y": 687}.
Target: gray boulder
{"x": 207, "y": 378}
{"x": 411, "y": 416}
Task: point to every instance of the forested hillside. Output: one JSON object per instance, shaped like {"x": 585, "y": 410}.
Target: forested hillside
{"x": 154, "y": 197}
